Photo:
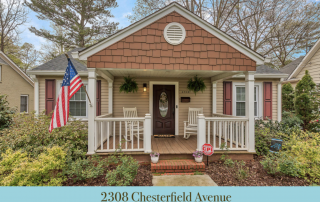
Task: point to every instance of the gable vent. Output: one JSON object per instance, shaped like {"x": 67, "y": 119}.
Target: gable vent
{"x": 174, "y": 33}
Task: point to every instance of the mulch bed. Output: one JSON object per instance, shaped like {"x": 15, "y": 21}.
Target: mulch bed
{"x": 143, "y": 178}
{"x": 257, "y": 176}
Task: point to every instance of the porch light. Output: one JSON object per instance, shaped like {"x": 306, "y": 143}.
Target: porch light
{"x": 144, "y": 87}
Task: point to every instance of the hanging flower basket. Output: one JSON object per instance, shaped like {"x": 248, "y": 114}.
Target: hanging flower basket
{"x": 129, "y": 85}
{"x": 196, "y": 84}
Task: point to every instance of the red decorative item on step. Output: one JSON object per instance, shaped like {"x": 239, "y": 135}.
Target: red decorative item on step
{"x": 207, "y": 149}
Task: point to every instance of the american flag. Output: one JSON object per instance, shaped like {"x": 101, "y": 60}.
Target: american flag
{"x": 70, "y": 85}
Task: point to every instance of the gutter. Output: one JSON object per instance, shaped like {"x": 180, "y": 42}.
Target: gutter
{"x": 266, "y": 76}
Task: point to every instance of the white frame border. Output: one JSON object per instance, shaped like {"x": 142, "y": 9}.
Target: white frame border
{"x": 176, "y": 84}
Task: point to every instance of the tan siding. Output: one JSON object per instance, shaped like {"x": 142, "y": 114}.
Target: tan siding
{"x": 104, "y": 96}
{"x": 274, "y": 95}
{"x": 13, "y": 85}
{"x": 313, "y": 67}
{"x": 141, "y": 99}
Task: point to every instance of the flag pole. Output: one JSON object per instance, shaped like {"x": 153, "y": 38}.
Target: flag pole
{"x": 82, "y": 86}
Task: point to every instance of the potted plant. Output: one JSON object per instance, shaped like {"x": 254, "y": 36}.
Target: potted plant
{"x": 129, "y": 85}
{"x": 196, "y": 84}
{"x": 154, "y": 157}
{"x": 198, "y": 155}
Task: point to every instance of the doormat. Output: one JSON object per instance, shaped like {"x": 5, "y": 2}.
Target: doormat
{"x": 164, "y": 136}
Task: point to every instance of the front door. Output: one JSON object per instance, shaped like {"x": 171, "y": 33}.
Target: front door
{"x": 163, "y": 109}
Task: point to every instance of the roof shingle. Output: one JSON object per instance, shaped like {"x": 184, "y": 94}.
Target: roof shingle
{"x": 264, "y": 69}
{"x": 289, "y": 68}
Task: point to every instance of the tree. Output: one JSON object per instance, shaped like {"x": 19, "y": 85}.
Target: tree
{"x": 6, "y": 112}
{"x": 307, "y": 101}
{"x": 12, "y": 15}
{"x": 28, "y": 56}
{"x": 287, "y": 97}
{"x": 82, "y": 20}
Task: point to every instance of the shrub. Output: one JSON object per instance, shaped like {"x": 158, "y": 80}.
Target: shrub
{"x": 30, "y": 135}
{"x": 241, "y": 173}
{"x": 229, "y": 163}
{"x": 262, "y": 141}
{"x": 6, "y": 112}
{"x": 291, "y": 120}
{"x": 287, "y": 97}
{"x": 307, "y": 102}
{"x": 270, "y": 164}
{"x": 17, "y": 169}
{"x": 125, "y": 172}
{"x": 83, "y": 169}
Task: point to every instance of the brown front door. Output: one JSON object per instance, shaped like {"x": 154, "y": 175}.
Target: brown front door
{"x": 163, "y": 109}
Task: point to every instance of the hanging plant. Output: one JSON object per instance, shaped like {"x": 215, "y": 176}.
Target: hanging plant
{"x": 196, "y": 84}
{"x": 129, "y": 85}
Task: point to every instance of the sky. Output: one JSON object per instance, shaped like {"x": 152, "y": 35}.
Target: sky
{"x": 124, "y": 8}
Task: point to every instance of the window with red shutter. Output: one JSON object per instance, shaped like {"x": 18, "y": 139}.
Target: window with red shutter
{"x": 227, "y": 97}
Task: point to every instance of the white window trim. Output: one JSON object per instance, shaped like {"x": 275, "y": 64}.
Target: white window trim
{"x": 0, "y": 73}
{"x": 27, "y": 103}
{"x": 82, "y": 118}
{"x": 260, "y": 97}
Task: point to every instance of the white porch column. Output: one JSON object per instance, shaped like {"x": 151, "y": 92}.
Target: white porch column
{"x": 36, "y": 94}
{"x": 110, "y": 97}
{"x": 147, "y": 134}
{"x": 92, "y": 91}
{"x": 249, "y": 78}
{"x": 214, "y": 97}
{"x": 201, "y": 134}
{"x": 280, "y": 100}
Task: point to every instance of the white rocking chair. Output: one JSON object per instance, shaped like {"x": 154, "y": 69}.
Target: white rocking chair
{"x": 132, "y": 126}
{"x": 191, "y": 126}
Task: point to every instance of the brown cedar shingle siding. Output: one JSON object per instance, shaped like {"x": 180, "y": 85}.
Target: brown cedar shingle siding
{"x": 147, "y": 49}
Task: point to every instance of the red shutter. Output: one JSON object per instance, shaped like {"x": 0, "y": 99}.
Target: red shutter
{"x": 227, "y": 97}
{"x": 98, "y": 112}
{"x": 50, "y": 95}
{"x": 267, "y": 100}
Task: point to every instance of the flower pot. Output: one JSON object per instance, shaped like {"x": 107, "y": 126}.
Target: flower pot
{"x": 198, "y": 159}
{"x": 155, "y": 159}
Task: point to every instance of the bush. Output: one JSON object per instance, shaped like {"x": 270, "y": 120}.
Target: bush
{"x": 291, "y": 120}
{"x": 6, "y": 112}
{"x": 229, "y": 163}
{"x": 307, "y": 101}
{"x": 17, "y": 169}
{"x": 125, "y": 172}
{"x": 241, "y": 173}
{"x": 83, "y": 169}
{"x": 287, "y": 97}
{"x": 30, "y": 135}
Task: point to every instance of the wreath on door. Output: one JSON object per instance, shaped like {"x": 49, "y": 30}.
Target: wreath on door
{"x": 196, "y": 84}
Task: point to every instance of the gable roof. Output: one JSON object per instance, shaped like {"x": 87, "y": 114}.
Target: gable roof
{"x": 305, "y": 60}
{"x": 4, "y": 59}
{"x": 60, "y": 63}
{"x": 264, "y": 69}
{"x": 289, "y": 68}
{"x": 173, "y": 7}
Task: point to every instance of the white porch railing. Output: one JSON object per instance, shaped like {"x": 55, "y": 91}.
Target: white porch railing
{"x": 122, "y": 134}
{"x": 225, "y": 130}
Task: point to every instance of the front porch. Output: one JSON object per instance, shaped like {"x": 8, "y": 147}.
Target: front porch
{"x": 111, "y": 132}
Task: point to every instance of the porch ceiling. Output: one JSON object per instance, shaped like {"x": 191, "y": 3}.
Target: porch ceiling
{"x": 165, "y": 73}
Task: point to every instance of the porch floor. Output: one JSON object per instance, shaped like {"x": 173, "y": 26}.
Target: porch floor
{"x": 177, "y": 145}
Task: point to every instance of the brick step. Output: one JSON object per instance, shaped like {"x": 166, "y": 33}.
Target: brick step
{"x": 177, "y": 166}
{"x": 162, "y": 174}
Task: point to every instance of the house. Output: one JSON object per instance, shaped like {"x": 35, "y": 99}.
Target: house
{"x": 16, "y": 84}
{"x": 296, "y": 69}
{"x": 162, "y": 52}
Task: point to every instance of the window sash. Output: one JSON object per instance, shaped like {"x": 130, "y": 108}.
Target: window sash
{"x": 240, "y": 101}
{"x": 78, "y": 104}
{"x": 23, "y": 103}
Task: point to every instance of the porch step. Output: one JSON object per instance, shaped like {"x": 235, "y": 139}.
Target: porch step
{"x": 177, "y": 166}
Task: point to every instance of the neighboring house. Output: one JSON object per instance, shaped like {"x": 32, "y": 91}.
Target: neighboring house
{"x": 311, "y": 62}
{"x": 162, "y": 52}
{"x": 16, "y": 84}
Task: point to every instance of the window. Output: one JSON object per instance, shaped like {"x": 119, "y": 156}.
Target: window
{"x": 24, "y": 103}
{"x": 78, "y": 103}
{"x": 239, "y": 106}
